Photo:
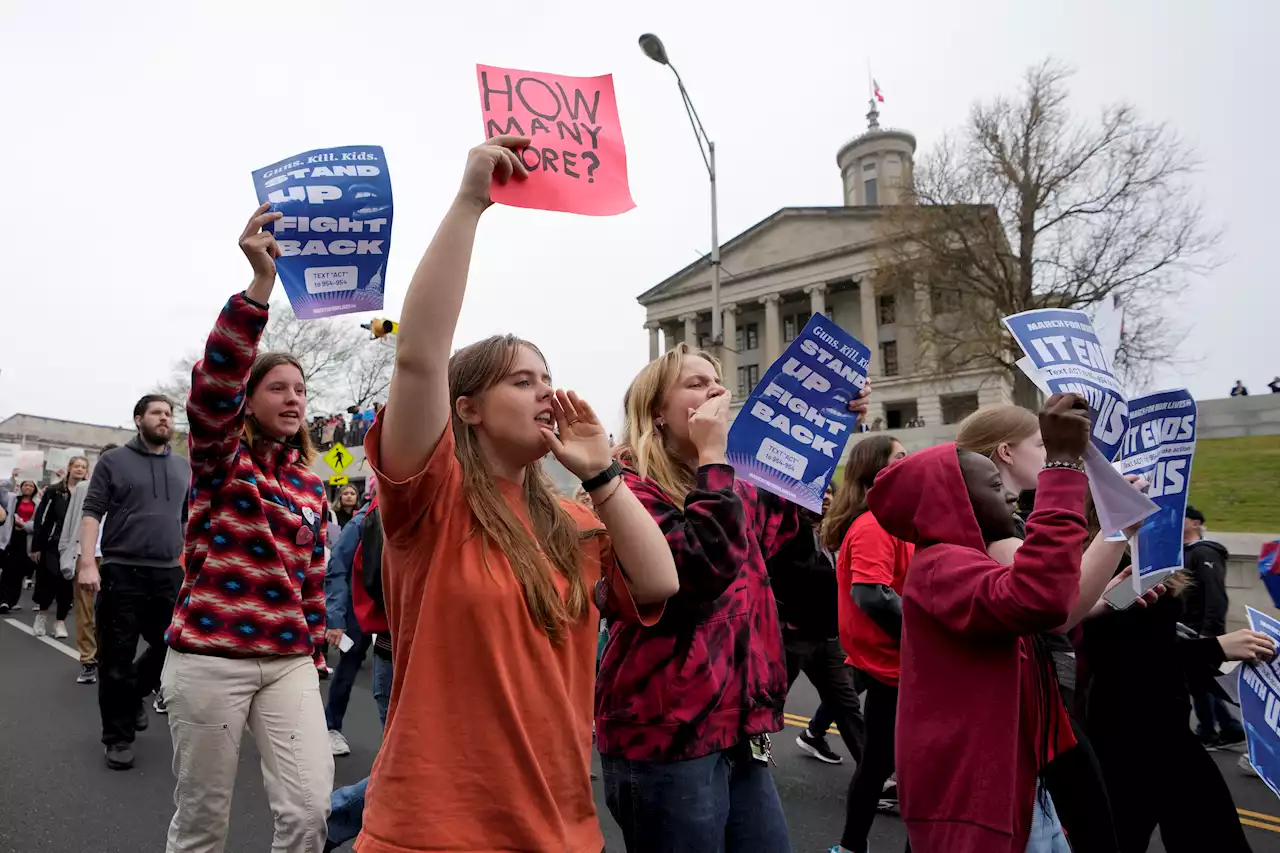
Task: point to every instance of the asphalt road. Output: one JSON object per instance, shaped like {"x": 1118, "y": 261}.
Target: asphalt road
{"x": 57, "y": 795}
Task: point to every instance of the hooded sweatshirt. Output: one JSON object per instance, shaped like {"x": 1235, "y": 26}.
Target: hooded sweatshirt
{"x": 976, "y": 716}
{"x": 142, "y": 494}
{"x": 1205, "y": 601}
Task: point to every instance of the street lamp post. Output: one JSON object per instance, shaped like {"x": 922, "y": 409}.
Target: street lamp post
{"x": 653, "y": 48}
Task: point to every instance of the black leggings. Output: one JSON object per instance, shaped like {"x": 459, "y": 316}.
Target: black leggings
{"x": 876, "y": 766}
{"x": 52, "y": 586}
{"x": 1171, "y": 783}
{"x": 1074, "y": 779}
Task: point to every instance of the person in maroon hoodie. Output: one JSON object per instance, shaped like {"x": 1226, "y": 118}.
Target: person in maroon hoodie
{"x": 977, "y": 718}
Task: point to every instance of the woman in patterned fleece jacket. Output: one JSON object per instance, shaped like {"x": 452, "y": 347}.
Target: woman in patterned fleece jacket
{"x": 249, "y": 619}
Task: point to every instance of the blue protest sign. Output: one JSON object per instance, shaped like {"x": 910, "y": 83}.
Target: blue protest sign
{"x": 791, "y": 432}
{"x": 1065, "y": 350}
{"x": 335, "y": 234}
{"x": 1158, "y": 446}
{"x": 1260, "y": 706}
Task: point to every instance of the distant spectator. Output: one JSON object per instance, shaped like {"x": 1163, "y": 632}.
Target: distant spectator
{"x": 877, "y": 425}
{"x": 1274, "y": 385}
{"x": 326, "y": 433}
{"x": 1239, "y": 390}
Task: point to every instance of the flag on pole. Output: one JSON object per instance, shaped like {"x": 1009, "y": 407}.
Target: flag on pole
{"x": 875, "y": 89}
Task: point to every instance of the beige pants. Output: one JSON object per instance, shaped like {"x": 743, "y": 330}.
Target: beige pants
{"x": 210, "y": 700}
{"x": 86, "y": 626}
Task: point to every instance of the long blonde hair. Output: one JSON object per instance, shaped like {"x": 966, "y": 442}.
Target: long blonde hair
{"x": 986, "y": 429}
{"x": 556, "y": 539}
{"x": 644, "y": 446}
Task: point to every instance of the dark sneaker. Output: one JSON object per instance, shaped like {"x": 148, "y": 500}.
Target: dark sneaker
{"x": 4, "y": 608}
{"x": 818, "y": 748}
{"x": 1226, "y": 740}
{"x": 88, "y": 674}
{"x": 160, "y": 706}
{"x": 888, "y": 797}
{"x": 119, "y": 756}
{"x": 141, "y": 721}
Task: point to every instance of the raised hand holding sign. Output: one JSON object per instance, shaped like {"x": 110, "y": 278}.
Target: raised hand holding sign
{"x": 574, "y": 153}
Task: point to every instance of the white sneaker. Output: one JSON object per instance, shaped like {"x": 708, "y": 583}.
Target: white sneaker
{"x": 338, "y": 744}
{"x": 38, "y": 626}
{"x": 60, "y": 629}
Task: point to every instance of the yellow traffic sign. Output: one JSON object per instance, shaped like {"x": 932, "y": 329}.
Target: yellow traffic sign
{"x": 339, "y": 480}
{"x": 338, "y": 458}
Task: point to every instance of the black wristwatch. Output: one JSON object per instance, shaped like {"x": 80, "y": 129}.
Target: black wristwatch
{"x": 603, "y": 478}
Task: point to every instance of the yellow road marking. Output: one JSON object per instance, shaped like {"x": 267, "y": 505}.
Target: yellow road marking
{"x": 1263, "y": 821}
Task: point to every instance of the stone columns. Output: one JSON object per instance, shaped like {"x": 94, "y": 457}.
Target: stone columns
{"x": 772, "y": 331}
{"x": 817, "y": 299}
{"x": 870, "y": 325}
{"x": 655, "y": 345}
{"x": 924, "y": 319}
{"x": 728, "y": 355}
{"x": 690, "y": 329}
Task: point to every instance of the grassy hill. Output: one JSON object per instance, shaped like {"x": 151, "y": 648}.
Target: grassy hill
{"x": 1235, "y": 482}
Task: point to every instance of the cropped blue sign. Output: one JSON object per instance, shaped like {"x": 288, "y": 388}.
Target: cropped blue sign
{"x": 791, "y": 432}
{"x": 335, "y": 234}
{"x": 1065, "y": 351}
{"x": 1260, "y": 705}
{"x": 1158, "y": 446}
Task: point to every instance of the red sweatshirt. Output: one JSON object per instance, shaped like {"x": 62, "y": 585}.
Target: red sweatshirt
{"x": 970, "y": 713}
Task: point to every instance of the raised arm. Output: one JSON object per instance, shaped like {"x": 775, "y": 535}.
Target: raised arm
{"x": 417, "y": 410}
{"x": 582, "y": 446}
{"x": 215, "y": 407}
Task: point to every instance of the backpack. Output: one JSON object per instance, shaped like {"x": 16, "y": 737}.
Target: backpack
{"x": 369, "y": 554}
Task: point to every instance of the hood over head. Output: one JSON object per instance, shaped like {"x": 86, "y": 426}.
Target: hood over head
{"x": 923, "y": 499}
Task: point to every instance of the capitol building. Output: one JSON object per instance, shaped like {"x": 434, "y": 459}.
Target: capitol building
{"x": 802, "y": 261}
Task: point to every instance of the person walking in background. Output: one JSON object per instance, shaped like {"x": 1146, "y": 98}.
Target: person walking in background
{"x": 52, "y": 585}
{"x": 70, "y": 547}
{"x": 1205, "y": 604}
{"x": 248, "y": 628}
{"x": 16, "y": 559}
{"x": 136, "y": 500}
{"x": 341, "y": 620}
{"x": 1238, "y": 390}
{"x": 871, "y": 571}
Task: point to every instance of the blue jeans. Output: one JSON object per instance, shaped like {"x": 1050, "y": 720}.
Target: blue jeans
{"x": 1214, "y": 716}
{"x": 344, "y": 677}
{"x": 1046, "y": 830}
{"x": 346, "y": 815}
{"x": 721, "y": 803}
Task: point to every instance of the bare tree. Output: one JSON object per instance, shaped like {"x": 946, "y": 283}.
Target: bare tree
{"x": 1027, "y": 207}
{"x": 340, "y": 365}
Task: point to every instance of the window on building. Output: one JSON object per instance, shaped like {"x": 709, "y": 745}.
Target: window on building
{"x": 957, "y": 407}
{"x": 889, "y": 358}
{"x": 748, "y": 378}
{"x": 888, "y": 307}
{"x": 944, "y": 300}
{"x": 793, "y": 324}
{"x": 748, "y": 337}
{"x": 869, "y": 190}
{"x": 898, "y": 415}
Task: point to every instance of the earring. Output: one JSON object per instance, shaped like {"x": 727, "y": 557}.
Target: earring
{"x": 659, "y": 424}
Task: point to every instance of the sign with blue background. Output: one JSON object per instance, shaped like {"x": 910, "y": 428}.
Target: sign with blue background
{"x": 335, "y": 234}
{"x": 1158, "y": 446}
{"x": 1260, "y": 705}
{"x": 791, "y": 432}
{"x": 1065, "y": 350}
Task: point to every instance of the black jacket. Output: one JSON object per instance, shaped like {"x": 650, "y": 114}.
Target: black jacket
{"x": 803, "y": 577}
{"x": 1205, "y": 602}
{"x": 49, "y": 517}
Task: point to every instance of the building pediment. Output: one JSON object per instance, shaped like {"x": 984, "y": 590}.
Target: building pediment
{"x": 789, "y": 236}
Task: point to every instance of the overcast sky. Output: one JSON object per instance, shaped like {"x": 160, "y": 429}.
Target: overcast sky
{"x": 128, "y": 132}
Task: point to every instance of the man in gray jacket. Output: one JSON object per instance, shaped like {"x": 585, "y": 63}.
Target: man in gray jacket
{"x": 141, "y": 489}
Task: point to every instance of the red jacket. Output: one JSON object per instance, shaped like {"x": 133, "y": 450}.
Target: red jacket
{"x": 370, "y": 616}
{"x": 254, "y": 580}
{"x": 972, "y": 706}
{"x": 712, "y": 671}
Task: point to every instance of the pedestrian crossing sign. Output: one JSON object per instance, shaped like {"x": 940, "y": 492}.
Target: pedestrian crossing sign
{"x": 338, "y": 458}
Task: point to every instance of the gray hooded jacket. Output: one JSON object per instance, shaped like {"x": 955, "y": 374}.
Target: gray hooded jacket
{"x": 143, "y": 496}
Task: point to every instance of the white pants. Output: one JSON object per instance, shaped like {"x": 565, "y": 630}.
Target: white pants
{"x": 210, "y": 700}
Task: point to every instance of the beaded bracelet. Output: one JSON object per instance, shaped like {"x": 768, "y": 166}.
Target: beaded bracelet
{"x": 1074, "y": 466}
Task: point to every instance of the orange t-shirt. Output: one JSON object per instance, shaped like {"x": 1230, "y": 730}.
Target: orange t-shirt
{"x": 487, "y": 747}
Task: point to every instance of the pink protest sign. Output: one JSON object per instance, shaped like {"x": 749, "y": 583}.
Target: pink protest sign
{"x": 577, "y": 161}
